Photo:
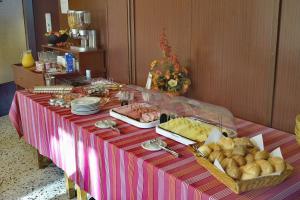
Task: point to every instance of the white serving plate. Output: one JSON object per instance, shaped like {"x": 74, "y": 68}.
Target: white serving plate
{"x": 133, "y": 121}
{"x": 84, "y": 108}
{"x": 86, "y": 101}
{"x": 85, "y": 113}
{"x": 174, "y": 136}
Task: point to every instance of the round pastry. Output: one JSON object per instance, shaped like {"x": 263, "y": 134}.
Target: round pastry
{"x": 261, "y": 155}
{"x": 226, "y": 143}
{"x": 226, "y": 162}
{"x": 239, "y": 159}
{"x": 250, "y": 171}
{"x": 234, "y": 172}
{"x": 278, "y": 164}
{"x": 249, "y": 158}
{"x": 265, "y": 166}
{"x": 214, "y": 147}
{"x": 243, "y": 141}
{"x": 228, "y": 153}
{"x": 253, "y": 150}
{"x": 205, "y": 150}
{"x": 239, "y": 150}
{"x": 216, "y": 155}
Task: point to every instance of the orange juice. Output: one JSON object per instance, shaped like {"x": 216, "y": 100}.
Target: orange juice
{"x": 27, "y": 59}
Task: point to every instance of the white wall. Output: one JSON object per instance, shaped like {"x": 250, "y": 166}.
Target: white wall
{"x": 12, "y": 37}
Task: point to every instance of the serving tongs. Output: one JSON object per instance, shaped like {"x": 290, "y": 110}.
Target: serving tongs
{"x": 157, "y": 141}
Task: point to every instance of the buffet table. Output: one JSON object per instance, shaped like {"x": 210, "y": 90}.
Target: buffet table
{"x": 110, "y": 165}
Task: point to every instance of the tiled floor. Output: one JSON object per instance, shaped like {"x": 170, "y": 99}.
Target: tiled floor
{"x": 19, "y": 176}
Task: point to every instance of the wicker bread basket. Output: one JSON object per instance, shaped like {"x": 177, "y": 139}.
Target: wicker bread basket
{"x": 245, "y": 185}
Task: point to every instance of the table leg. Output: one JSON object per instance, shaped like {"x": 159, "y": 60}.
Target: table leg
{"x": 81, "y": 194}
{"x": 43, "y": 161}
{"x": 70, "y": 187}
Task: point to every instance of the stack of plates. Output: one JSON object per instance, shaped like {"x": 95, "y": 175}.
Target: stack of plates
{"x": 85, "y": 105}
{"x": 297, "y": 128}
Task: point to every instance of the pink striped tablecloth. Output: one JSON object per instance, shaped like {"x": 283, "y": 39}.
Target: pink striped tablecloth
{"x": 109, "y": 165}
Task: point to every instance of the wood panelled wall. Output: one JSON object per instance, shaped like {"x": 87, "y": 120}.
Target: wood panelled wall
{"x": 118, "y": 41}
{"x": 98, "y": 9}
{"x": 231, "y": 47}
{"x": 233, "y": 55}
{"x": 40, "y": 7}
{"x": 287, "y": 92}
{"x": 150, "y": 19}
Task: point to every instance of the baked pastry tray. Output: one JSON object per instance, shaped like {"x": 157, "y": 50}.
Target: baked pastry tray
{"x": 183, "y": 140}
{"x": 132, "y": 121}
{"x": 174, "y": 136}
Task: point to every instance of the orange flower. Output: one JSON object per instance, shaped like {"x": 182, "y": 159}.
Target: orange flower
{"x": 164, "y": 44}
{"x": 158, "y": 72}
{"x": 167, "y": 74}
{"x": 177, "y": 67}
{"x": 185, "y": 70}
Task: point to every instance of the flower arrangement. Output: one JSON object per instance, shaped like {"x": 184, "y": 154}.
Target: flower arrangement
{"x": 167, "y": 73}
{"x": 58, "y": 38}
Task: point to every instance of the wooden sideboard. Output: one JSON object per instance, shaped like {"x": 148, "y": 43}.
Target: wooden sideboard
{"x": 92, "y": 60}
{"x": 26, "y": 78}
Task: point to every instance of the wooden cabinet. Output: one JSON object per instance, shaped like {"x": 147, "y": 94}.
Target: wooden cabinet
{"x": 26, "y": 78}
{"x": 92, "y": 60}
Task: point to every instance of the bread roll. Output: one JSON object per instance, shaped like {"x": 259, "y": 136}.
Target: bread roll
{"x": 249, "y": 158}
{"x": 216, "y": 155}
{"x": 261, "y": 155}
{"x": 253, "y": 150}
{"x": 243, "y": 141}
{"x": 214, "y": 147}
{"x": 239, "y": 150}
{"x": 278, "y": 164}
{"x": 205, "y": 150}
{"x": 250, "y": 171}
{"x": 265, "y": 166}
{"x": 239, "y": 159}
{"x": 227, "y": 162}
{"x": 234, "y": 172}
{"x": 228, "y": 153}
{"x": 226, "y": 143}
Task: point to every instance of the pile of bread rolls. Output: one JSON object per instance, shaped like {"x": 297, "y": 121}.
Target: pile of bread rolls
{"x": 241, "y": 159}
